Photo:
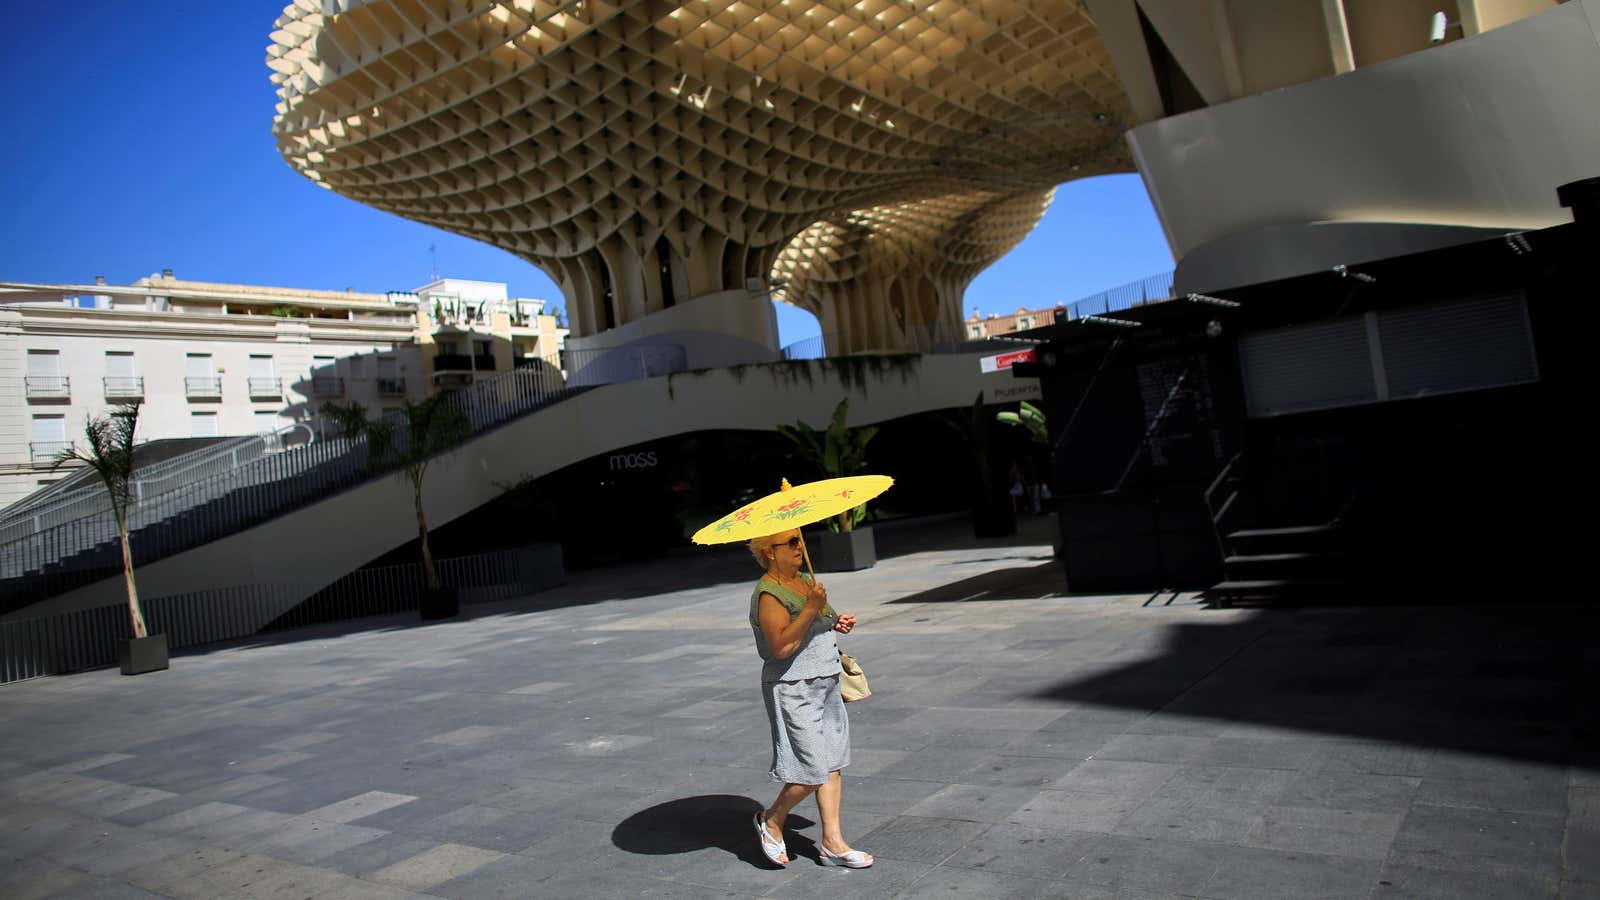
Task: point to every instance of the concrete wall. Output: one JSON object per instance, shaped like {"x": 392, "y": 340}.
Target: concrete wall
{"x": 1475, "y": 133}
{"x": 728, "y": 328}
{"x": 315, "y": 545}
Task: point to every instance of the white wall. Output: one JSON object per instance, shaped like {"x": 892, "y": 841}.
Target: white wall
{"x": 313, "y": 546}
{"x": 1476, "y": 133}
{"x": 161, "y": 343}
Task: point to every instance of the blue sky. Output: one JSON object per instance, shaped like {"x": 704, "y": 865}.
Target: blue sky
{"x": 140, "y": 139}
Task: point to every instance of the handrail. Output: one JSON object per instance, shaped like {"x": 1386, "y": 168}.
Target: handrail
{"x": 84, "y": 549}
{"x": 1209, "y": 497}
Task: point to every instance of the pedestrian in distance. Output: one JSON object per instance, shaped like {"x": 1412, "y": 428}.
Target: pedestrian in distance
{"x": 794, "y": 631}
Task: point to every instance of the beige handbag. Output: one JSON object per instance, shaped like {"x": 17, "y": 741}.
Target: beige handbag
{"x": 853, "y": 683}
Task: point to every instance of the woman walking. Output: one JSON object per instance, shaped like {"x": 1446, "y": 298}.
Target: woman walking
{"x": 794, "y": 632}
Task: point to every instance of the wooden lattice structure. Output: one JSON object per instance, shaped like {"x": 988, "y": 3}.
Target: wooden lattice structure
{"x": 646, "y": 152}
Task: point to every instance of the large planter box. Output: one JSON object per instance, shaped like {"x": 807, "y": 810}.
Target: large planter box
{"x": 845, "y": 551}
{"x": 140, "y": 655}
{"x": 443, "y": 603}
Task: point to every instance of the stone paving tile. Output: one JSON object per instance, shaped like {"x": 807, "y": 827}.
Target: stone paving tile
{"x": 1475, "y": 839}
{"x": 358, "y": 807}
{"x": 1247, "y": 872}
{"x": 1404, "y": 882}
{"x": 104, "y": 889}
{"x": 973, "y": 803}
{"x": 30, "y": 879}
{"x": 1073, "y": 811}
{"x": 920, "y": 839}
{"x": 1332, "y": 832}
{"x": 1141, "y": 864}
{"x": 1132, "y": 780}
{"x": 434, "y": 866}
{"x": 1365, "y": 793}
{"x": 968, "y": 883}
{"x": 886, "y": 878}
{"x": 1017, "y": 850}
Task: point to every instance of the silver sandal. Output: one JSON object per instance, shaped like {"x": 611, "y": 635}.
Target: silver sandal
{"x": 854, "y": 859}
{"x": 771, "y": 847}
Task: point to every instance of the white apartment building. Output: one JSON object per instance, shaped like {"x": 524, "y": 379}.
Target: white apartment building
{"x": 213, "y": 360}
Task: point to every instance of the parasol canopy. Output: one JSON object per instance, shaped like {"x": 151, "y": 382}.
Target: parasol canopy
{"x": 792, "y": 507}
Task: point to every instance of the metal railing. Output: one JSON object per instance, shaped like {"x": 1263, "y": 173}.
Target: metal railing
{"x": 265, "y": 387}
{"x": 630, "y": 362}
{"x": 50, "y": 386}
{"x": 392, "y": 387}
{"x": 124, "y": 387}
{"x": 46, "y": 451}
{"x": 88, "y": 638}
{"x": 43, "y": 561}
{"x": 194, "y": 386}
{"x": 1150, "y": 289}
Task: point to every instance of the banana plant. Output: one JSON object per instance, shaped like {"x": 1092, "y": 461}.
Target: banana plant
{"x": 839, "y": 451}
{"x": 1027, "y": 416}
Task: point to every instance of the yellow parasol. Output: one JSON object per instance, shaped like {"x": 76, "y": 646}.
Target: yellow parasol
{"x": 792, "y": 507}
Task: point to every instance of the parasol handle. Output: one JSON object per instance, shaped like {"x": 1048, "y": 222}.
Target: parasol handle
{"x": 806, "y": 555}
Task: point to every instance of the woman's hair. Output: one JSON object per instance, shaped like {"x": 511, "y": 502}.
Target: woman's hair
{"x": 759, "y": 548}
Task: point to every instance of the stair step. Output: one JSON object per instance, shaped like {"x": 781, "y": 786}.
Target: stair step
{"x": 1292, "y": 531}
{"x": 1245, "y": 558}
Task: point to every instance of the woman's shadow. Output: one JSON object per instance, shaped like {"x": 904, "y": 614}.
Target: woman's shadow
{"x": 697, "y": 823}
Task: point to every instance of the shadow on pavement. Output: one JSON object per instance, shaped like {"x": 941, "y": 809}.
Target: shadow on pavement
{"x": 723, "y": 821}
{"x": 1503, "y": 680}
{"x": 1018, "y": 583}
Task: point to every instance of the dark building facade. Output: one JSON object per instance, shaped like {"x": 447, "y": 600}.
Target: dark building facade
{"x": 1413, "y": 423}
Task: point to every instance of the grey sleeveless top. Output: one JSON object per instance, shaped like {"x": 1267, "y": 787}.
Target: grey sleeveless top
{"x": 818, "y": 655}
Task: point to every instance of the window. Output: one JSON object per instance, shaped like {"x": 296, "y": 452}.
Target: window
{"x": 203, "y": 424}
{"x": 119, "y": 364}
{"x": 388, "y": 368}
{"x": 358, "y": 368}
{"x": 44, "y": 377}
{"x": 200, "y": 377}
{"x": 200, "y": 366}
{"x": 266, "y": 422}
{"x": 49, "y": 437}
{"x": 263, "y": 379}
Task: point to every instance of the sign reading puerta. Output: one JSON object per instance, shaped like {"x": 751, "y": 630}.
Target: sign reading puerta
{"x": 1012, "y": 389}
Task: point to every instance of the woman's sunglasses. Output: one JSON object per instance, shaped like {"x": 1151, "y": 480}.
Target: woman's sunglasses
{"x": 793, "y": 543}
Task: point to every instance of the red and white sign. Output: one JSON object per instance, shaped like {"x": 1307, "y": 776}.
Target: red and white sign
{"x": 1007, "y": 360}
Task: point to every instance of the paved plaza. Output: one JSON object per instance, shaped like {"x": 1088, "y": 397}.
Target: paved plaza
{"x": 607, "y": 739}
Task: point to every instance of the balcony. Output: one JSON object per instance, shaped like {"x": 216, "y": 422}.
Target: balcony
{"x": 47, "y": 387}
{"x": 462, "y": 362}
{"x": 265, "y": 387}
{"x": 200, "y": 388}
{"x": 124, "y": 387}
{"x": 327, "y": 386}
{"x": 392, "y": 387}
{"x": 47, "y": 451}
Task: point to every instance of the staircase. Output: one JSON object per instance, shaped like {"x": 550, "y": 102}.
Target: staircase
{"x": 1321, "y": 562}
{"x": 241, "y": 494}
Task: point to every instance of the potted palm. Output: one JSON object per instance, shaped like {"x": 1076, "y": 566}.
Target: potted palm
{"x": 837, "y": 452}
{"x": 410, "y": 443}
{"x": 110, "y": 456}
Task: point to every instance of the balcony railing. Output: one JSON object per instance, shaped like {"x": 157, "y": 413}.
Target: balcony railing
{"x": 265, "y": 387}
{"x": 392, "y": 387}
{"x": 462, "y": 362}
{"x": 47, "y": 386}
{"x": 327, "y": 386}
{"x": 46, "y": 451}
{"x": 123, "y": 387}
{"x": 194, "y": 386}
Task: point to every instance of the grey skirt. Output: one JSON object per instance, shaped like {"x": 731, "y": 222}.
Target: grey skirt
{"x": 810, "y": 730}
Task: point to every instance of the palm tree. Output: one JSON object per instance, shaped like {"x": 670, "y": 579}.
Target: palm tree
{"x": 110, "y": 455}
{"x": 426, "y": 429}
{"x": 839, "y": 451}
